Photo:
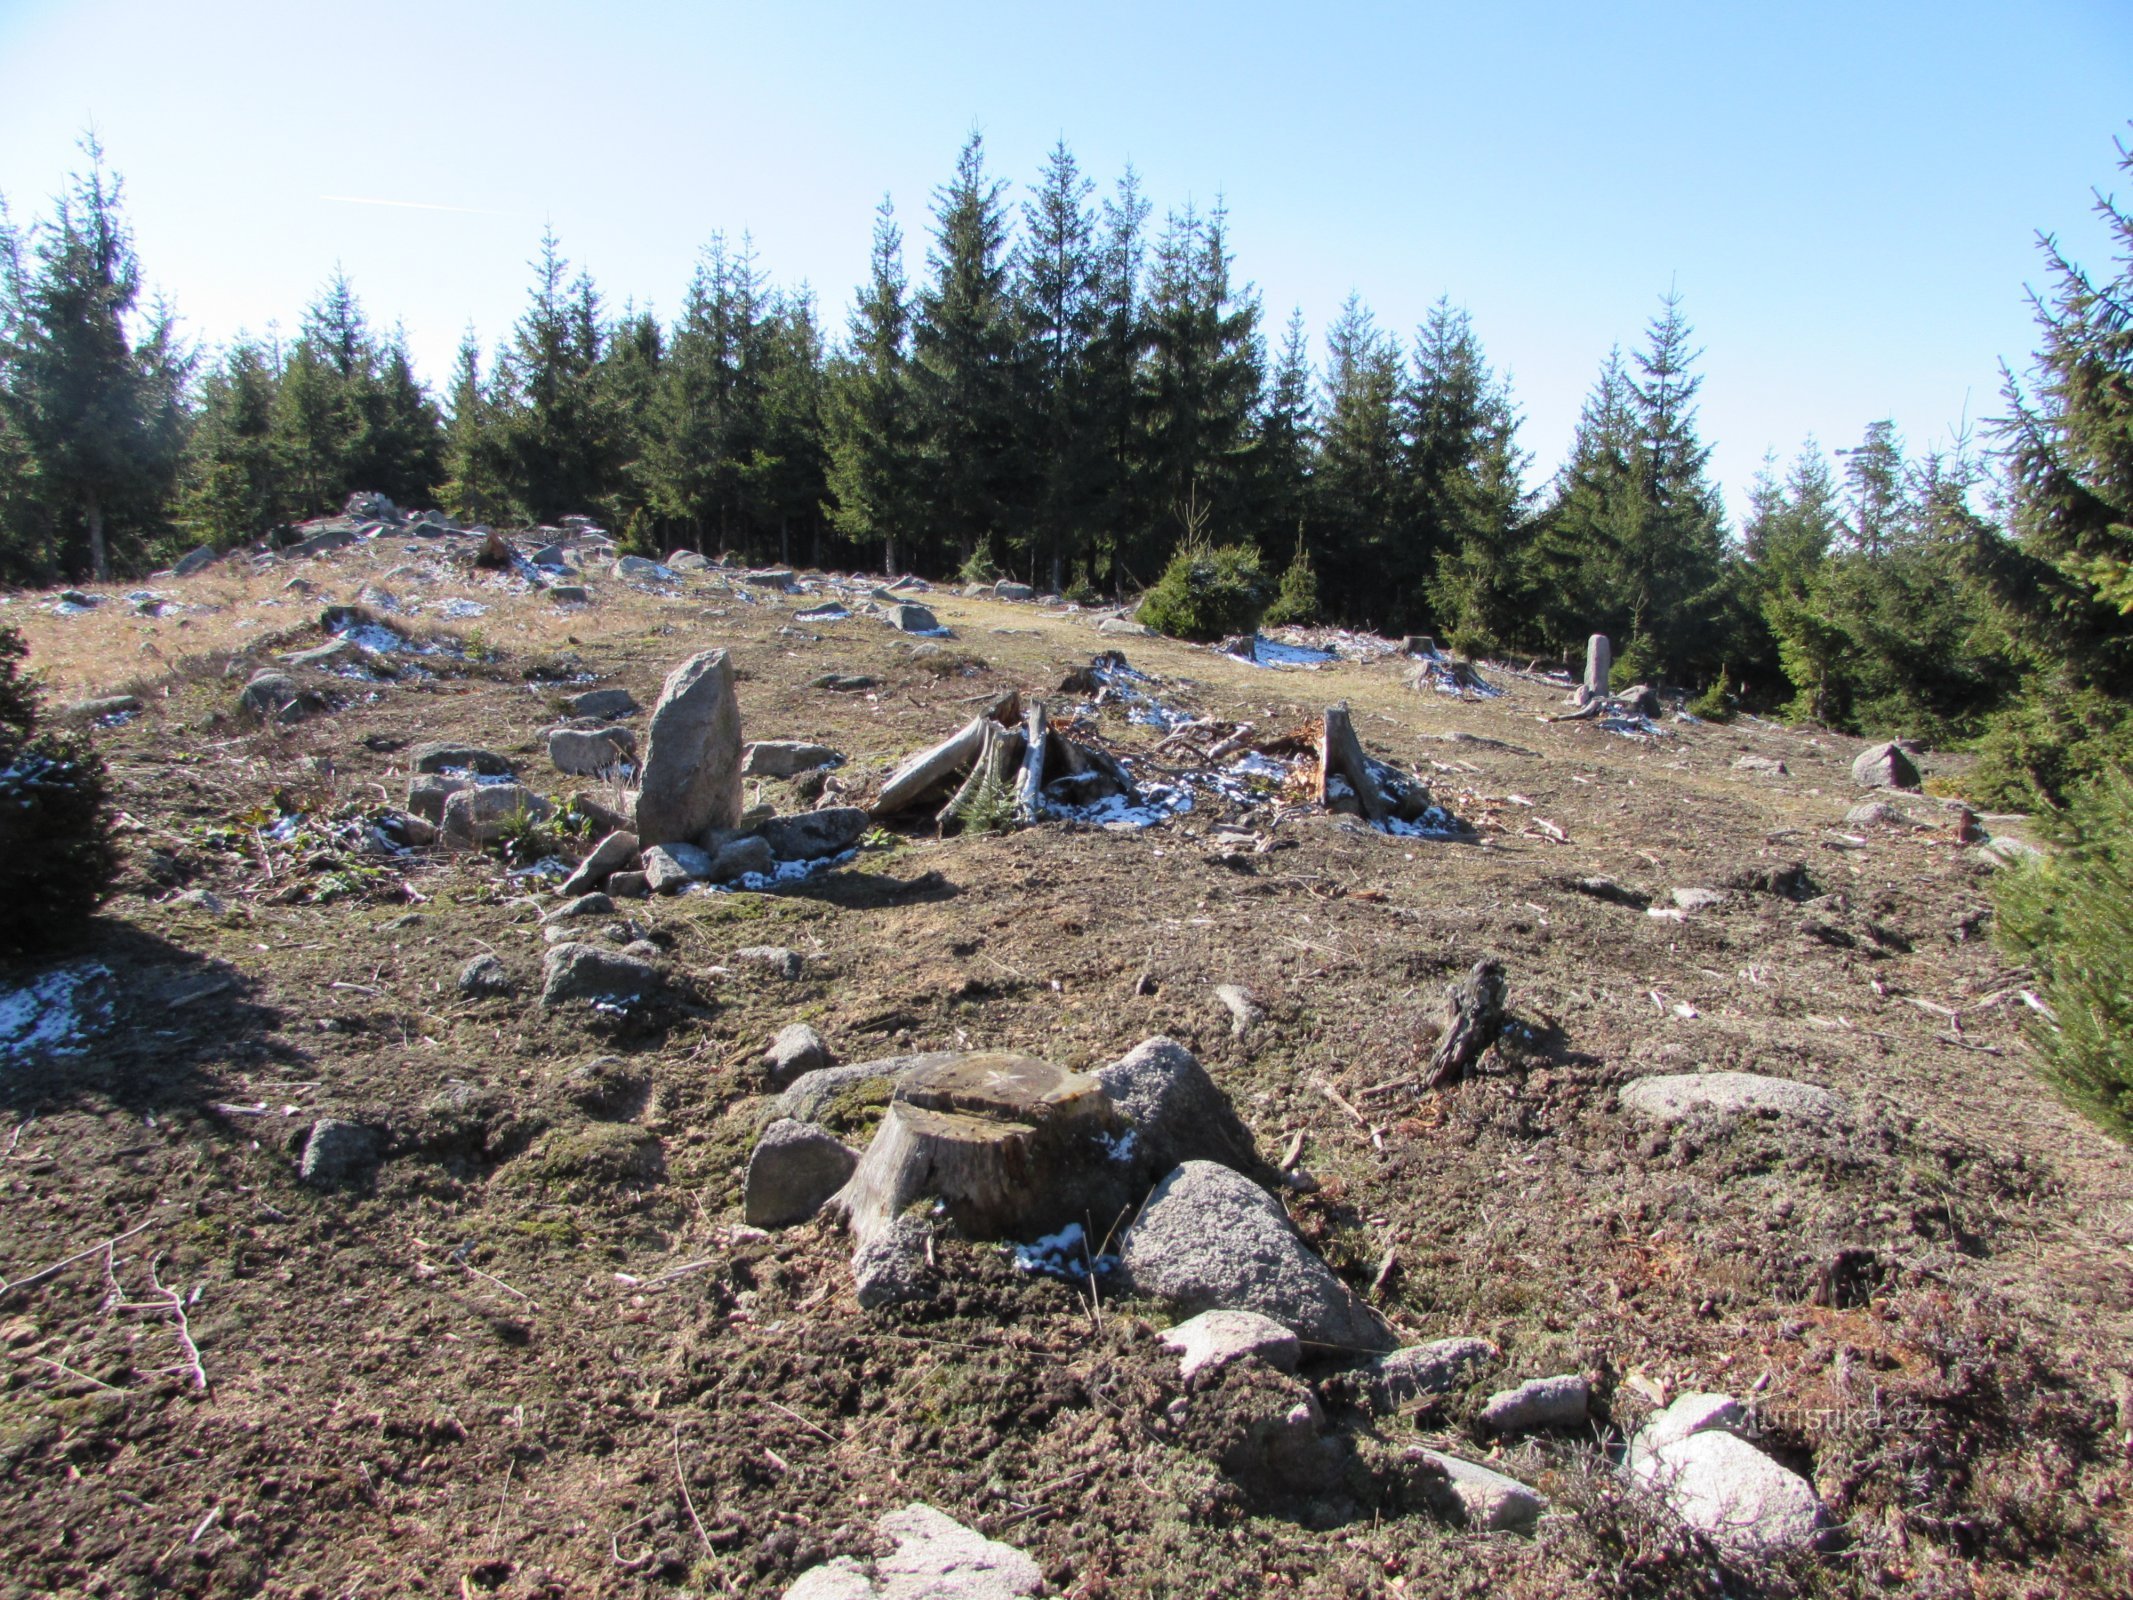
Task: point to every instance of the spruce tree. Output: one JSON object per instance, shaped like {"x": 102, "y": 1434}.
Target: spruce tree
{"x": 873, "y": 471}
{"x": 1117, "y": 493}
{"x": 474, "y": 464}
{"x": 1287, "y": 429}
{"x": 1357, "y": 479}
{"x": 1058, "y": 283}
{"x": 557, "y": 430}
{"x": 233, "y": 486}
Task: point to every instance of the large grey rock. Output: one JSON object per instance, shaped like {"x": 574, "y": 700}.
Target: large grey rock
{"x": 428, "y": 791}
{"x": 481, "y": 815}
{"x": 1561, "y": 1402}
{"x": 778, "y": 578}
{"x": 936, "y": 1558}
{"x": 1487, "y": 1502}
{"x": 668, "y": 867}
{"x": 615, "y": 853}
{"x": 1008, "y": 590}
{"x": 193, "y": 561}
{"x": 337, "y": 1151}
{"x": 589, "y": 752}
{"x": 1884, "y": 766}
{"x": 1720, "y": 1484}
{"x": 1422, "y": 1370}
{"x": 591, "y": 904}
{"x": 1175, "y": 1111}
{"x": 596, "y": 976}
{"x": 691, "y": 782}
{"x": 1672, "y": 1097}
{"x": 781, "y": 758}
{"x": 1216, "y": 1338}
{"x": 603, "y": 703}
{"x": 686, "y": 561}
{"x": 912, "y": 618}
{"x": 796, "y": 1166}
{"x": 440, "y": 756}
{"x": 484, "y": 977}
{"x": 269, "y": 694}
{"x": 809, "y": 835}
{"x": 1210, "y": 1239}
{"x": 740, "y": 857}
{"x": 773, "y": 958}
{"x": 797, "y": 1049}
{"x": 637, "y": 569}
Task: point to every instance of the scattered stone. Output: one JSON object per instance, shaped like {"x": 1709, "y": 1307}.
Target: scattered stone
{"x": 810, "y": 835}
{"x": 777, "y": 959}
{"x": 427, "y": 793}
{"x": 687, "y": 561}
{"x": 891, "y": 1267}
{"x": 485, "y": 977}
{"x": 1769, "y": 764}
{"x": 194, "y": 561}
{"x": 601, "y": 977}
{"x": 569, "y": 594}
{"x": 936, "y": 1558}
{"x": 1884, "y": 766}
{"x": 1672, "y": 1097}
{"x": 438, "y": 756}
{"x": 909, "y": 617}
{"x": 269, "y": 694}
{"x": 602, "y": 703}
{"x": 591, "y": 753}
{"x": 115, "y": 705}
{"x": 336, "y": 1152}
{"x": 691, "y": 781}
{"x": 1699, "y": 899}
{"x": 1245, "y": 1013}
{"x": 628, "y": 886}
{"x": 1609, "y": 889}
{"x": 323, "y": 657}
{"x": 842, "y": 682}
{"x": 1175, "y": 1111}
{"x": 1215, "y": 1338}
{"x": 1007, "y": 590}
{"x": 2008, "y": 851}
{"x": 594, "y": 904}
{"x": 1487, "y": 1502}
{"x": 1562, "y": 1402}
{"x": 637, "y": 569}
{"x": 796, "y": 1166}
{"x": 1423, "y": 1370}
{"x": 1720, "y": 1484}
{"x": 614, "y": 853}
{"x": 781, "y": 758}
{"x": 552, "y": 556}
{"x": 797, "y": 1049}
{"x": 477, "y": 816}
{"x": 1209, "y": 1239}
{"x": 1876, "y": 813}
{"x": 741, "y": 857}
{"x": 668, "y": 867}
{"x": 778, "y": 578}
{"x": 1120, "y": 628}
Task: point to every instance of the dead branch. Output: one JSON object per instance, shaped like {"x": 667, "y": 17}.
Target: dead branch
{"x": 56, "y": 1267}
{"x": 688, "y": 1499}
{"x": 1473, "y": 1016}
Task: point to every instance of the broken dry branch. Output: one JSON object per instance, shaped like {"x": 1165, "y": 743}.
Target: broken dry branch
{"x": 1473, "y": 1016}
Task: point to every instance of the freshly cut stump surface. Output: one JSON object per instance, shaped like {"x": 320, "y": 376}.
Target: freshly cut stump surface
{"x": 1013, "y": 1145}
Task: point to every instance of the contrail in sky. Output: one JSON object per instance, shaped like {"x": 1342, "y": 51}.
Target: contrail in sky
{"x": 409, "y": 205}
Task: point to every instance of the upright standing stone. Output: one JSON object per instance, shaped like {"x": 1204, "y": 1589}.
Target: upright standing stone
{"x": 692, "y": 755}
{"x": 1599, "y": 665}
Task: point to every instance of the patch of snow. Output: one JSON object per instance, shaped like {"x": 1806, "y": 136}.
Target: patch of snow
{"x": 545, "y": 868}
{"x": 1064, "y": 1254}
{"x": 1119, "y": 1146}
{"x": 1279, "y": 653}
{"x": 1159, "y": 803}
{"x": 1435, "y": 823}
{"x": 457, "y": 609}
{"x": 55, "y": 1011}
{"x": 785, "y": 872}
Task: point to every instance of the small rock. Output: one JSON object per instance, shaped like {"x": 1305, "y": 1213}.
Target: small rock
{"x": 484, "y": 977}
{"x": 1421, "y": 1370}
{"x": 477, "y": 816}
{"x": 1692, "y": 1413}
{"x": 427, "y": 793}
{"x": 842, "y": 682}
{"x": 594, "y": 904}
{"x": 1120, "y": 628}
{"x": 1875, "y": 813}
{"x": 569, "y": 594}
{"x": 1671, "y": 1097}
{"x": 114, "y": 705}
{"x": 796, "y": 1049}
{"x": 1699, "y": 899}
{"x": 796, "y": 1166}
{"x": 637, "y": 569}
{"x": 268, "y": 694}
{"x": 1720, "y": 1484}
{"x": 1884, "y": 766}
{"x": 668, "y": 867}
{"x": 912, "y": 618}
{"x": 936, "y": 1558}
{"x": 439, "y": 756}
{"x": 1488, "y": 1502}
{"x": 600, "y": 977}
{"x": 1210, "y": 1239}
{"x": 1769, "y": 764}
{"x": 199, "y": 900}
{"x": 1564, "y": 1402}
{"x": 776, "y": 958}
{"x": 686, "y": 561}
{"x": 781, "y": 758}
{"x": 587, "y": 753}
{"x": 778, "y": 578}
{"x": 1245, "y": 1013}
{"x": 1013, "y": 591}
{"x": 603, "y": 703}
{"x": 193, "y": 561}
{"x": 740, "y": 857}
{"x": 336, "y": 1152}
{"x": 810, "y": 835}
{"x": 612, "y": 854}
{"x": 1215, "y": 1338}
{"x": 628, "y": 886}
{"x": 891, "y": 1267}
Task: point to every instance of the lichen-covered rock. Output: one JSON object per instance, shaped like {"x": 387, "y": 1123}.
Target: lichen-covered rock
{"x": 796, "y": 1166}
{"x": 1215, "y": 1338}
{"x": 593, "y": 975}
{"x": 1672, "y": 1097}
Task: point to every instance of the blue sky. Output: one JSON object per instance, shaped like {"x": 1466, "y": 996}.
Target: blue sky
{"x": 1846, "y": 195}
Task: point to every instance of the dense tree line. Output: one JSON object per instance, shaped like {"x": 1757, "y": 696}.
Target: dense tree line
{"x": 1070, "y": 391}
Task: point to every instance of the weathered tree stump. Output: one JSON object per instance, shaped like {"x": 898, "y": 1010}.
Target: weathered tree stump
{"x": 931, "y": 772}
{"x": 1340, "y": 754}
{"x": 1013, "y": 1147}
{"x": 1473, "y": 1016}
{"x": 998, "y": 758}
{"x": 1029, "y": 783}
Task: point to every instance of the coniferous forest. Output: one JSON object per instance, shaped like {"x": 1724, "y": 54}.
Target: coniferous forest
{"x": 1059, "y": 383}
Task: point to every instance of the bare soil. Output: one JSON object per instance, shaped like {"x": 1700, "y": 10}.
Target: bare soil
{"x": 466, "y": 1376}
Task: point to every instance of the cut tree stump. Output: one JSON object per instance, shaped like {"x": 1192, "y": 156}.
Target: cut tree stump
{"x": 1012, "y": 1146}
{"x": 930, "y": 770}
{"x": 998, "y": 756}
{"x": 1473, "y": 1016}
{"x": 1340, "y": 754}
{"x": 1029, "y": 783}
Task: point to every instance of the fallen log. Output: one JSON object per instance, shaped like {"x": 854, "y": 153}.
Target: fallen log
{"x": 930, "y": 770}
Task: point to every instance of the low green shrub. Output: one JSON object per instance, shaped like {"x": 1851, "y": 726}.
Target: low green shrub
{"x": 1715, "y": 704}
{"x": 2071, "y": 917}
{"x": 56, "y": 855}
{"x": 1207, "y": 594}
